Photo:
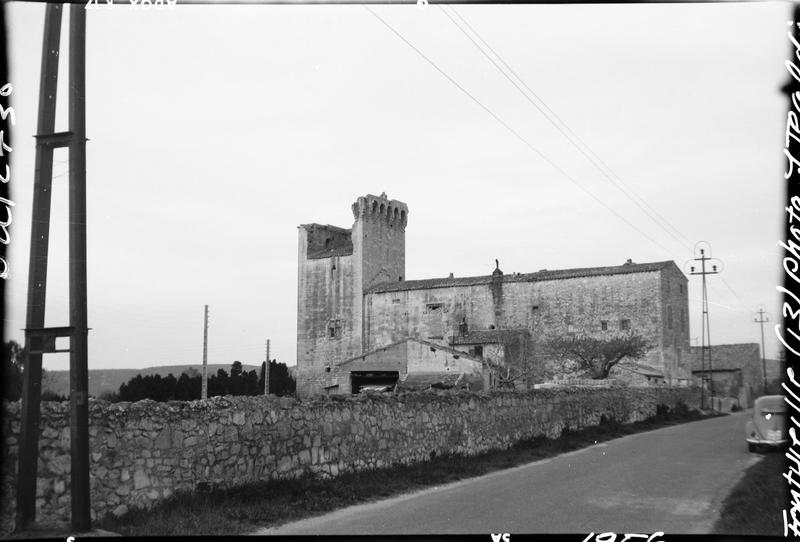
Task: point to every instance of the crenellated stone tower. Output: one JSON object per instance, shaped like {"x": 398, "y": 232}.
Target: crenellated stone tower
{"x": 336, "y": 266}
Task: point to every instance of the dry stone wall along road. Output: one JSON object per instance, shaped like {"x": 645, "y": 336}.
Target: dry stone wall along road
{"x": 672, "y": 480}
{"x": 144, "y": 452}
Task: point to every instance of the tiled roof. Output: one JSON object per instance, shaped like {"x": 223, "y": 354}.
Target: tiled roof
{"x": 728, "y": 356}
{"x": 638, "y": 368}
{"x": 423, "y": 381}
{"x": 489, "y": 336}
{"x": 439, "y": 380}
{"x": 542, "y": 275}
{"x": 438, "y": 346}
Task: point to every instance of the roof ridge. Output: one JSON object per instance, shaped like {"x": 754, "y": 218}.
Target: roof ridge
{"x": 543, "y": 274}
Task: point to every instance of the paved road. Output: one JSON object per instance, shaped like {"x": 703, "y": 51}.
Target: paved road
{"x": 671, "y": 480}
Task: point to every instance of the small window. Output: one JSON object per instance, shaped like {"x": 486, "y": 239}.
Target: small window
{"x": 669, "y": 317}
{"x": 432, "y": 307}
{"x": 680, "y": 288}
{"x": 395, "y": 301}
{"x": 334, "y": 329}
{"x": 535, "y": 308}
{"x": 478, "y": 351}
{"x": 624, "y": 325}
{"x": 604, "y": 325}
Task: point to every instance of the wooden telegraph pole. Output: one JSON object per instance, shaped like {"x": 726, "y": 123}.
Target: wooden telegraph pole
{"x": 266, "y": 372}
{"x": 40, "y": 340}
{"x": 204, "y": 392}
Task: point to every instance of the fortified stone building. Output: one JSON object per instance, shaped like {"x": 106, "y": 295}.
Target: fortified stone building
{"x": 356, "y": 311}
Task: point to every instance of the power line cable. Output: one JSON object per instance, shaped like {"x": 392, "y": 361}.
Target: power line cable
{"x": 510, "y": 129}
{"x": 572, "y": 137}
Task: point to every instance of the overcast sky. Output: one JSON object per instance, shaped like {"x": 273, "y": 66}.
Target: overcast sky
{"x": 216, "y": 130}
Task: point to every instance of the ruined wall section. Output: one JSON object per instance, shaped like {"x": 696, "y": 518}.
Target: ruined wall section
{"x": 146, "y": 451}
{"x": 328, "y": 304}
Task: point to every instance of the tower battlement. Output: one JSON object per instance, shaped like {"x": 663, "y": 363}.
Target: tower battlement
{"x": 373, "y": 207}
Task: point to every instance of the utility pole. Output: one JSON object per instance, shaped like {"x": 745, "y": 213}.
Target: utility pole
{"x": 762, "y": 320}
{"x": 79, "y": 351}
{"x": 266, "y": 372}
{"x": 707, "y": 377}
{"x": 41, "y": 340}
{"x": 204, "y": 392}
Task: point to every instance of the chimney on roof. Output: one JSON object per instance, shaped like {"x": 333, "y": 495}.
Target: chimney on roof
{"x": 629, "y": 262}
{"x": 451, "y": 276}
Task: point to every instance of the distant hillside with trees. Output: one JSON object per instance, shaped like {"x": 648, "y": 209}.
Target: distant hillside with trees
{"x": 104, "y": 381}
{"x": 188, "y": 385}
{"x": 238, "y": 379}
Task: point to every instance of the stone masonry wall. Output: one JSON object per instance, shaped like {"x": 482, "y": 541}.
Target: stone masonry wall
{"x": 143, "y": 452}
{"x": 546, "y": 308}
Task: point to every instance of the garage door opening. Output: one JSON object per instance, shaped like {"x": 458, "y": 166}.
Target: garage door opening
{"x": 373, "y": 380}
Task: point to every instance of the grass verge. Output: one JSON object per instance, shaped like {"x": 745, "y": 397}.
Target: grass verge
{"x": 754, "y": 506}
{"x": 246, "y": 508}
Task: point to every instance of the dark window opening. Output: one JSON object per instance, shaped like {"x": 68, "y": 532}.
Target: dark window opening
{"x": 334, "y": 329}
{"x": 400, "y": 278}
{"x": 604, "y": 325}
{"x": 491, "y": 326}
{"x": 535, "y": 308}
{"x": 624, "y": 325}
{"x": 477, "y": 351}
{"x": 669, "y": 317}
{"x": 433, "y": 349}
{"x": 432, "y": 307}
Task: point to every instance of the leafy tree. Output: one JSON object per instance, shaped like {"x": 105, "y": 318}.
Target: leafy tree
{"x": 281, "y": 382}
{"x": 188, "y": 385}
{"x": 598, "y": 356}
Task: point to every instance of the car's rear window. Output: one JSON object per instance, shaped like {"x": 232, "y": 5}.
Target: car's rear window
{"x": 773, "y": 419}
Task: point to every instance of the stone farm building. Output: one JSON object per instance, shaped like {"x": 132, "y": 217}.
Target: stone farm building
{"x": 738, "y": 372}
{"x": 361, "y": 323}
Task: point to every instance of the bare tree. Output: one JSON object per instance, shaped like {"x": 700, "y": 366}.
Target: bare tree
{"x": 598, "y": 356}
